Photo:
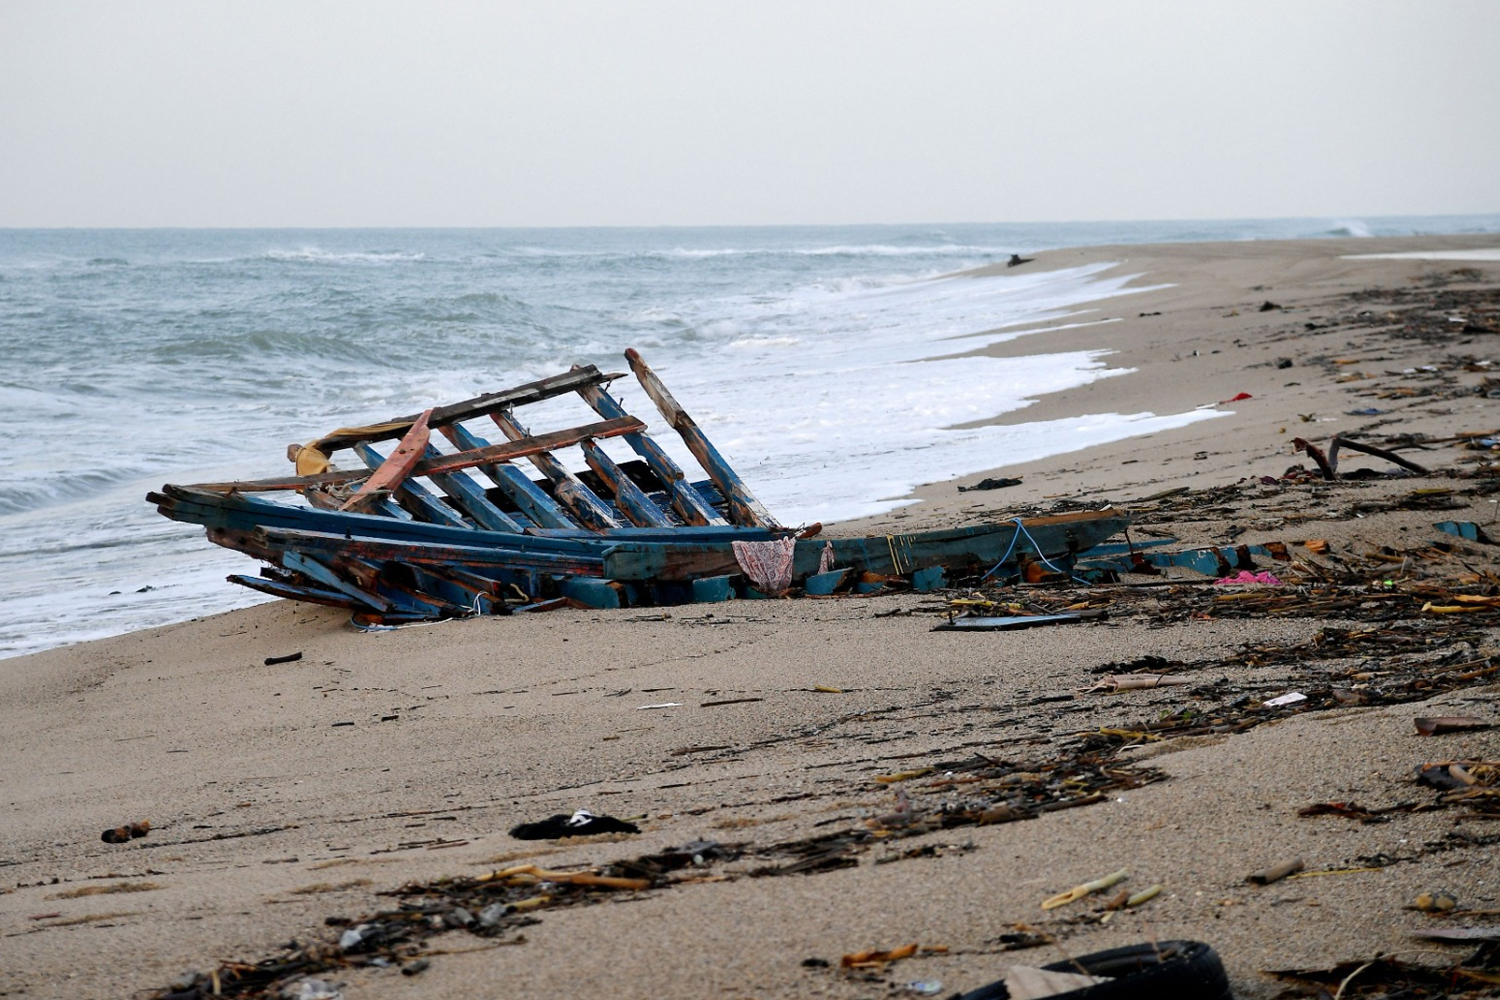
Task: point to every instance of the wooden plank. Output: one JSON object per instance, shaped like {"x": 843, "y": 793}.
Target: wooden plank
{"x": 395, "y": 468}
{"x": 413, "y": 496}
{"x": 528, "y": 496}
{"x": 479, "y": 406}
{"x": 245, "y": 512}
{"x": 689, "y": 504}
{"x": 744, "y": 508}
{"x": 471, "y": 499}
{"x": 630, "y": 498}
{"x": 958, "y": 549}
{"x": 567, "y": 489}
{"x": 292, "y": 592}
{"x": 477, "y": 558}
{"x": 495, "y": 453}
{"x": 315, "y": 570}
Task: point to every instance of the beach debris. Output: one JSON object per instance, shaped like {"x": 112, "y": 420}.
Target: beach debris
{"x": 1384, "y": 976}
{"x": 581, "y": 824}
{"x": 311, "y": 989}
{"x": 1281, "y": 701}
{"x": 1025, "y": 982}
{"x": 1179, "y": 969}
{"x": 992, "y": 483}
{"x": 1464, "y": 529}
{"x": 1008, "y": 623}
{"x": 1245, "y": 576}
{"x": 1353, "y": 810}
{"x": 288, "y": 658}
{"x": 1087, "y": 888}
{"x": 1016, "y": 260}
{"x": 658, "y": 705}
{"x": 1110, "y": 683}
{"x": 925, "y": 987}
{"x": 827, "y": 689}
{"x": 1276, "y": 872}
{"x": 1434, "y": 902}
{"x": 127, "y": 832}
{"x": 878, "y": 958}
{"x": 531, "y": 874}
{"x": 1459, "y": 935}
{"x": 1438, "y": 725}
{"x": 1328, "y": 462}
{"x": 1237, "y": 397}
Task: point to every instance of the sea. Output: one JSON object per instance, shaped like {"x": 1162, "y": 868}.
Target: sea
{"x": 835, "y": 366}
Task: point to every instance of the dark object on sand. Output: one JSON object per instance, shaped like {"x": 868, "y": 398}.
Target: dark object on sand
{"x": 128, "y": 832}
{"x": 1166, "y": 970}
{"x": 1328, "y": 464}
{"x": 581, "y": 824}
{"x": 1439, "y": 724}
{"x": 990, "y": 484}
{"x": 1007, "y": 623}
{"x": 1016, "y": 260}
{"x": 288, "y": 658}
{"x": 1268, "y": 306}
{"x": 413, "y": 537}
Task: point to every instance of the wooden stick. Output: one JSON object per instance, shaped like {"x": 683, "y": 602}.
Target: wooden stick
{"x": 744, "y": 508}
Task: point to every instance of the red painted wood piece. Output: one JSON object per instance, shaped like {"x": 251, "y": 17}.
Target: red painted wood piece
{"x": 397, "y": 467}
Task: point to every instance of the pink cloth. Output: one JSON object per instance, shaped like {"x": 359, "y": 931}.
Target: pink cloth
{"x": 767, "y": 564}
{"x": 1245, "y": 576}
{"x": 825, "y": 558}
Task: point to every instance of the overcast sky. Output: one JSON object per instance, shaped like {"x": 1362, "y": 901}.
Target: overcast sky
{"x": 570, "y": 112}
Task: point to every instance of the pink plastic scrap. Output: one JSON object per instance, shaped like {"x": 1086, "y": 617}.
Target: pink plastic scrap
{"x": 1245, "y": 576}
{"x": 767, "y": 564}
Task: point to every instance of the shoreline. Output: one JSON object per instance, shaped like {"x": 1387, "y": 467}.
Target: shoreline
{"x": 283, "y": 795}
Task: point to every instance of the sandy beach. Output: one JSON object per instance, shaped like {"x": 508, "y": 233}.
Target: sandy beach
{"x": 287, "y": 802}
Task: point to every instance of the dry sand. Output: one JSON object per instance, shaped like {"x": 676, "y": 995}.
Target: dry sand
{"x": 269, "y": 817}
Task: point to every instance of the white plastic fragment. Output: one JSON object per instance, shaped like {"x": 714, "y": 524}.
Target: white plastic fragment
{"x": 311, "y": 989}
{"x": 665, "y": 704}
{"x": 1290, "y": 698}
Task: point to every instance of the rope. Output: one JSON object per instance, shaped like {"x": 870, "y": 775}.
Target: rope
{"x": 1021, "y": 530}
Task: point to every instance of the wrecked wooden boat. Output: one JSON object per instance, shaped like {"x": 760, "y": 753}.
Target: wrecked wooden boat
{"x": 413, "y": 535}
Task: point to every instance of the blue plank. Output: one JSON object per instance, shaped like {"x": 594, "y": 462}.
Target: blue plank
{"x": 631, "y": 499}
{"x": 470, "y": 496}
{"x": 567, "y": 489}
{"x": 744, "y": 508}
{"x": 322, "y": 574}
{"x": 823, "y": 584}
{"x": 528, "y": 496}
{"x": 413, "y": 495}
{"x": 924, "y": 580}
{"x": 688, "y": 502}
{"x": 712, "y": 589}
{"x": 594, "y": 592}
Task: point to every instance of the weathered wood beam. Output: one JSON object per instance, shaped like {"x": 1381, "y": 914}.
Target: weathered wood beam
{"x": 744, "y": 508}
{"x": 688, "y": 503}
{"x": 629, "y": 497}
{"x": 479, "y": 406}
{"x": 567, "y": 489}
{"x": 448, "y": 463}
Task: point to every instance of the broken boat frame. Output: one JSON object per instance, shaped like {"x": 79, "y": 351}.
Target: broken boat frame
{"x": 413, "y": 536}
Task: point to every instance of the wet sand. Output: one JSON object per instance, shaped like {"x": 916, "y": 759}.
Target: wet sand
{"x": 272, "y": 813}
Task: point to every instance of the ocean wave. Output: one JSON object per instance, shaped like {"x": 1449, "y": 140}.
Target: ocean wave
{"x": 19, "y": 497}
{"x": 1351, "y": 227}
{"x": 315, "y": 255}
